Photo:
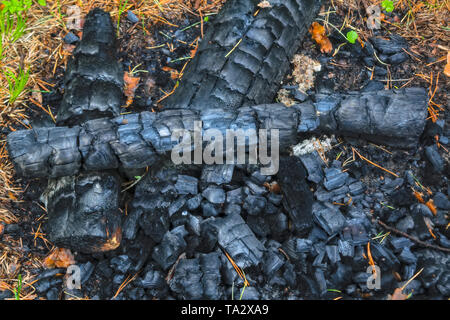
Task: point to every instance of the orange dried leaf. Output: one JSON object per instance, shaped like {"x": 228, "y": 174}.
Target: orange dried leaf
{"x": 12, "y": 196}
{"x": 194, "y": 52}
{"x": 431, "y": 206}
{"x": 419, "y": 196}
{"x": 131, "y": 84}
{"x": 59, "y": 258}
{"x": 398, "y": 295}
{"x": 273, "y": 187}
{"x": 174, "y": 74}
{"x": 318, "y": 35}
{"x": 447, "y": 66}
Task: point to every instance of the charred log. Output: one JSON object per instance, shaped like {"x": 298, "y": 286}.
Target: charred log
{"x": 94, "y": 77}
{"x": 138, "y": 140}
{"x": 83, "y": 210}
{"x": 244, "y": 56}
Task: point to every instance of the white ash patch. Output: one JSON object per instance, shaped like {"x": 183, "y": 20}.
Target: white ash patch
{"x": 304, "y": 71}
{"x": 302, "y": 76}
{"x": 284, "y": 98}
{"x": 311, "y": 145}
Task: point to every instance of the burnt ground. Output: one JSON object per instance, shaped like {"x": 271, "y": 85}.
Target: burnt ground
{"x": 385, "y": 198}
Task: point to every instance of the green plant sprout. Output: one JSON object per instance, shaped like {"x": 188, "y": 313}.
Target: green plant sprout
{"x": 352, "y": 36}
{"x": 16, "y": 83}
{"x": 19, "y": 288}
{"x": 388, "y": 5}
{"x": 122, "y": 7}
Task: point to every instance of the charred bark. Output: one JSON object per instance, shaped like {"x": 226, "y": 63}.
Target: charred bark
{"x": 394, "y": 118}
{"x": 94, "y": 77}
{"x": 244, "y": 56}
{"x": 83, "y": 210}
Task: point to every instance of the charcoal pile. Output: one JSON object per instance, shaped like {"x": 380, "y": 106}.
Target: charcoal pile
{"x": 227, "y": 230}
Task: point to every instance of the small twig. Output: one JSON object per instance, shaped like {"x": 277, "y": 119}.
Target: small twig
{"x": 403, "y": 234}
{"x": 409, "y": 281}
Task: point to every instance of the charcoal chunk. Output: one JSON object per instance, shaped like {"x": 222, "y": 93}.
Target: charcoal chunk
{"x": 186, "y": 281}
{"x": 232, "y": 208}
{"x": 186, "y": 185}
{"x": 441, "y": 201}
{"x": 130, "y": 226}
{"x": 278, "y": 224}
{"x": 400, "y": 243}
{"x": 321, "y": 282}
{"x": 355, "y": 230}
{"x": 235, "y": 196}
{"x": 383, "y": 255}
{"x": 70, "y": 38}
{"x": 209, "y": 235}
{"x": 176, "y": 206}
{"x": 121, "y": 263}
{"x": 313, "y": 164}
{"x": 407, "y": 256}
{"x": 155, "y": 223}
{"x": 172, "y": 245}
{"x": 255, "y": 188}
{"x": 255, "y": 204}
{"x": 83, "y": 212}
{"x": 328, "y": 217}
{"x": 333, "y": 254}
{"x": 406, "y": 224}
{"x": 394, "y": 45}
{"x": 238, "y": 240}
{"x": 210, "y": 265}
{"x": 334, "y": 178}
{"x": 86, "y": 270}
{"x": 346, "y": 248}
{"x": 435, "y": 158}
{"x": 273, "y": 261}
{"x": 214, "y": 195}
{"x": 423, "y": 210}
{"x": 356, "y": 188}
{"x": 217, "y": 174}
{"x": 297, "y": 197}
{"x": 398, "y": 58}
{"x": 194, "y": 203}
{"x": 295, "y": 247}
{"x": 209, "y": 209}
{"x": 132, "y": 17}
{"x": 152, "y": 279}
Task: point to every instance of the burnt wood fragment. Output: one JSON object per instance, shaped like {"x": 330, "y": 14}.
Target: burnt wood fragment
{"x": 395, "y": 117}
{"x": 83, "y": 210}
{"x": 297, "y": 198}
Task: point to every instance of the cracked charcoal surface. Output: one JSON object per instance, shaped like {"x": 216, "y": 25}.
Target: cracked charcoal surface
{"x": 252, "y": 73}
{"x": 94, "y": 78}
{"x": 83, "y": 211}
{"x": 297, "y": 198}
{"x": 394, "y": 118}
